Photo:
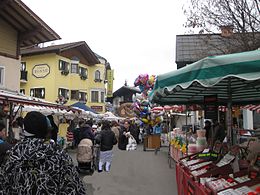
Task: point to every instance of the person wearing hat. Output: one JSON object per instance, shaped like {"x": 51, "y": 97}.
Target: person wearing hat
{"x": 4, "y": 146}
{"x": 37, "y": 165}
{"x": 94, "y": 129}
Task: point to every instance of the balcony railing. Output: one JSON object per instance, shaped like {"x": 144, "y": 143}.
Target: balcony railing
{"x": 23, "y": 76}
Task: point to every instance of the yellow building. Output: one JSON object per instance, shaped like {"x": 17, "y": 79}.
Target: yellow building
{"x": 19, "y": 27}
{"x": 66, "y": 73}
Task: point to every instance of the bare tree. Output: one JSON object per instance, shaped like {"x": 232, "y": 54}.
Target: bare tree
{"x": 242, "y": 16}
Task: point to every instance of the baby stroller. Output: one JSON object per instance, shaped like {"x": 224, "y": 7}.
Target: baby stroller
{"x": 87, "y": 157}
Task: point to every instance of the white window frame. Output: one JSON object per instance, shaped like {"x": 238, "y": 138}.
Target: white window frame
{"x": 33, "y": 88}
{"x": 86, "y": 95}
{"x": 67, "y": 92}
{"x": 72, "y": 70}
{"x": 22, "y": 90}
{"x": 99, "y": 95}
{"x": 2, "y": 76}
{"x": 95, "y": 78}
{"x": 77, "y": 93}
{"x": 103, "y": 97}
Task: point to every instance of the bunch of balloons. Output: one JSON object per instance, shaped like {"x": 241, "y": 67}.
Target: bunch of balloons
{"x": 142, "y": 106}
{"x": 145, "y": 83}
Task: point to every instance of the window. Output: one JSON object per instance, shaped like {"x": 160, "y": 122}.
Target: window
{"x": 94, "y": 96}
{"x": 102, "y": 96}
{"x": 74, "y": 95}
{"x": 83, "y": 97}
{"x": 63, "y": 93}
{"x": 2, "y": 76}
{"x": 23, "y": 72}
{"x": 74, "y": 68}
{"x": 83, "y": 73}
{"x": 38, "y": 92}
{"x": 22, "y": 91}
{"x": 64, "y": 67}
{"x": 23, "y": 66}
{"x": 97, "y": 76}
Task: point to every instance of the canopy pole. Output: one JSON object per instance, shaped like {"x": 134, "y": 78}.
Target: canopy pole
{"x": 229, "y": 124}
{"x": 229, "y": 114}
{"x": 186, "y": 134}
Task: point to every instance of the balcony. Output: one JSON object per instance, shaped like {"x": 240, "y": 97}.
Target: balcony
{"x": 23, "y": 77}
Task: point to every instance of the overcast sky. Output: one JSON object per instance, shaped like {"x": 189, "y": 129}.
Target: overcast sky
{"x": 135, "y": 36}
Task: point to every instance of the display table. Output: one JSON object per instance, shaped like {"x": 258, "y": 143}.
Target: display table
{"x": 191, "y": 171}
{"x": 152, "y": 142}
{"x": 176, "y": 153}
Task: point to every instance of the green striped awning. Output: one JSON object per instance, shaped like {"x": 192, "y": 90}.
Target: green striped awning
{"x": 233, "y": 77}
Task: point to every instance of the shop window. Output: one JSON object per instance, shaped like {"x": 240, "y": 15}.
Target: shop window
{"x": 74, "y": 68}
{"x": 38, "y": 92}
{"x": 83, "y": 73}
{"x": 83, "y": 97}
{"x": 64, "y": 67}
{"x": 74, "y": 95}
{"x": 97, "y": 76}
{"x": 94, "y": 96}
{"x": 63, "y": 93}
{"x": 102, "y": 96}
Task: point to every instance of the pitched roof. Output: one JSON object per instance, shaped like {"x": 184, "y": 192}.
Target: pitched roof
{"x": 81, "y": 45}
{"x": 126, "y": 89}
{"x": 32, "y": 29}
{"x": 191, "y": 48}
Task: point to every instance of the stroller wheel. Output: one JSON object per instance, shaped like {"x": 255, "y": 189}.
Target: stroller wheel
{"x": 86, "y": 171}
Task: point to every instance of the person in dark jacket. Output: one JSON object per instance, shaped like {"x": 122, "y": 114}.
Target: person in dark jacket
{"x": 125, "y": 132}
{"x": 123, "y": 135}
{"x": 219, "y": 131}
{"x": 54, "y": 130}
{"x": 4, "y": 146}
{"x": 107, "y": 140}
{"x": 37, "y": 165}
{"x": 84, "y": 132}
{"x": 207, "y": 127}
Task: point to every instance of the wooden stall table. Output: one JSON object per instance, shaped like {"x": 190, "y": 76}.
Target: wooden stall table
{"x": 152, "y": 142}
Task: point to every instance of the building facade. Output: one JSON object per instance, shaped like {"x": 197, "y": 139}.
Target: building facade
{"x": 18, "y": 28}
{"x": 66, "y": 74}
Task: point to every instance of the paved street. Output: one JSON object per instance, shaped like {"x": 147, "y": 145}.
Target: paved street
{"x": 134, "y": 173}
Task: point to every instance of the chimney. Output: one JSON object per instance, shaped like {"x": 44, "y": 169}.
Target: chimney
{"x": 226, "y": 31}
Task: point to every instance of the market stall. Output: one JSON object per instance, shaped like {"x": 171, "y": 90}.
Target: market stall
{"x": 13, "y": 104}
{"x": 232, "y": 79}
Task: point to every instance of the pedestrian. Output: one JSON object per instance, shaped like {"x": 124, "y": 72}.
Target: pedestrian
{"x": 37, "y": 165}
{"x": 208, "y": 129}
{"x": 115, "y": 128}
{"x": 85, "y": 132}
{"x": 55, "y": 129}
{"x": 94, "y": 129}
{"x": 134, "y": 130}
{"x": 124, "y": 134}
{"x": 69, "y": 136}
{"x": 107, "y": 140}
{"x": 219, "y": 131}
{"x": 4, "y": 146}
{"x": 17, "y": 131}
